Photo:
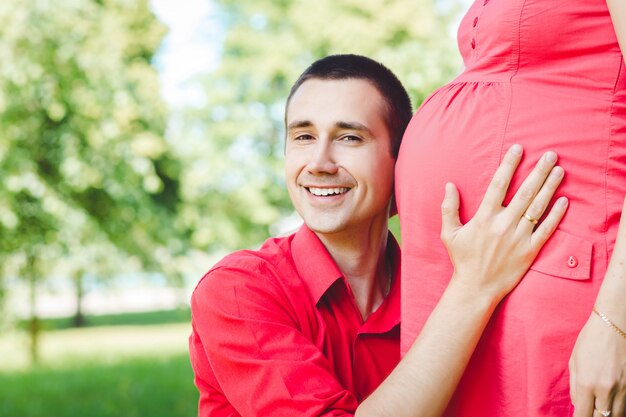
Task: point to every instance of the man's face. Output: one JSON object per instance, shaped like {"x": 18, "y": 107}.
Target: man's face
{"x": 338, "y": 163}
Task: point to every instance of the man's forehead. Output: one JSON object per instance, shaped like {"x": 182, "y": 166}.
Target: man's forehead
{"x": 343, "y": 97}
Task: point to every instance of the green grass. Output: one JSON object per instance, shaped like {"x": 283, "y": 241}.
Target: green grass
{"x": 125, "y": 370}
{"x": 109, "y": 344}
{"x": 181, "y": 315}
{"x": 138, "y": 387}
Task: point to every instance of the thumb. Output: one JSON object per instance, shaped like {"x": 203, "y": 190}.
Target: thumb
{"x": 450, "y": 220}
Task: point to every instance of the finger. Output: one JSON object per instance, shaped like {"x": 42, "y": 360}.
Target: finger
{"x": 450, "y": 220}
{"x": 494, "y": 196}
{"x": 603, "y": 411}
{"x": 531, "y": 185}
{"x": 542, "y": 199}
{"x": 619, "y": 405}
{"x": 548, "y": 226}
{"x": 583, "y": 406}
{"x": 603, "y": 407}
{"x": 603, "y": 404}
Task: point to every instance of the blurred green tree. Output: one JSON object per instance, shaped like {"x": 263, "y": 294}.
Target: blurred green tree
{"x": 233, "y": 184}
{"x": 86, "y": 171}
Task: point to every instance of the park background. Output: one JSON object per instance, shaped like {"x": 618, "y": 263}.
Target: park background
{"x": 140, "y": 141}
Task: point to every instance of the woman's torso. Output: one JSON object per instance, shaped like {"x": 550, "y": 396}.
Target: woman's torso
{"x": 548, "y": 75}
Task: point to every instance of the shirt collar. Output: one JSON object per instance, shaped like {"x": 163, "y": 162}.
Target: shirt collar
{"x": 313, "y": 262}
{"x": 319, "y": 272}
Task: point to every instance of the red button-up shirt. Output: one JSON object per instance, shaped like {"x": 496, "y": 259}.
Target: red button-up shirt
{"x": 276, "y": 332}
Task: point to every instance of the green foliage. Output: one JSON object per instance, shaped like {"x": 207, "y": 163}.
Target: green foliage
{"x": 86, "y": 172}
{"x": 234, "y": 186}
{"x": 394, "y": 226}
{"x": 87, "y": 176}
{"x": 139, "y": 387}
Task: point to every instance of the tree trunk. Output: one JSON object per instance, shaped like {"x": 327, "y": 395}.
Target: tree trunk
{"x": 34, "y": 326}
{"x": 79, "y": 317}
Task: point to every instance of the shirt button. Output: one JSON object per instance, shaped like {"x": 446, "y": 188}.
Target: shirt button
{"x": 473, "y": 44}
{"x": 572, "y": 262}
{"x": 475, "y": 21}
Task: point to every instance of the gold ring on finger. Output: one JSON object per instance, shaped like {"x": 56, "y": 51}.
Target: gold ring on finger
{"x": 530, "y": 218}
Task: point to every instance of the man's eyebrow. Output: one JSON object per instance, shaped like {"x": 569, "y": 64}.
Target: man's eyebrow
{"x": 353, "y": 126}
{"x": 298, "y": 124}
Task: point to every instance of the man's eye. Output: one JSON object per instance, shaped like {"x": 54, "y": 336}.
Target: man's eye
{"x": 303, "y": 137}
{"x": 351, "y": 138}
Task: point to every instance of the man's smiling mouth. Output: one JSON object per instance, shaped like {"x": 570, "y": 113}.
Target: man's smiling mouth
{"x": 322, "y": 192}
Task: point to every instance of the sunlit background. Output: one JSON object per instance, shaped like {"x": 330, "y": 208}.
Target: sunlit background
{"x": 140, "y": 141}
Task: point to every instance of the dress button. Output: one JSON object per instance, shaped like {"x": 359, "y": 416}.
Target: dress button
{"x": 473, "y": 44}
{"x": 572, "y": 262}
{"x": 475, "y": 21}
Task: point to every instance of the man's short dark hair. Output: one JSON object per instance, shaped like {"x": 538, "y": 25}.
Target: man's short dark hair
{"x": 349, "y": 66}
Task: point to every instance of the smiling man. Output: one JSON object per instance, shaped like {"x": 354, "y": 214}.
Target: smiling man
{"x": 308, "y": 325}
{"x": 339, "y": 168}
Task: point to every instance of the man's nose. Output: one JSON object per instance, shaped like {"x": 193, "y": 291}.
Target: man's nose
{"x": 323, "y": 159}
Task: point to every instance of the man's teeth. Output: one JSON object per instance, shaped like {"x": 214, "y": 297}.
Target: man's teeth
{"x": 327, "y": 191}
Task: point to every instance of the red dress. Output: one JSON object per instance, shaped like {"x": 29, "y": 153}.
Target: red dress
{"x": 548, "y": 75}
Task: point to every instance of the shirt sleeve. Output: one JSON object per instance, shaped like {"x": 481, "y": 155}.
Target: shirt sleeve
{"x": 249, "y": 343}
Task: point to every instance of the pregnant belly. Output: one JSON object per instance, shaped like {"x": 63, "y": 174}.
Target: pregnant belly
{"x": 460, "y": 135}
